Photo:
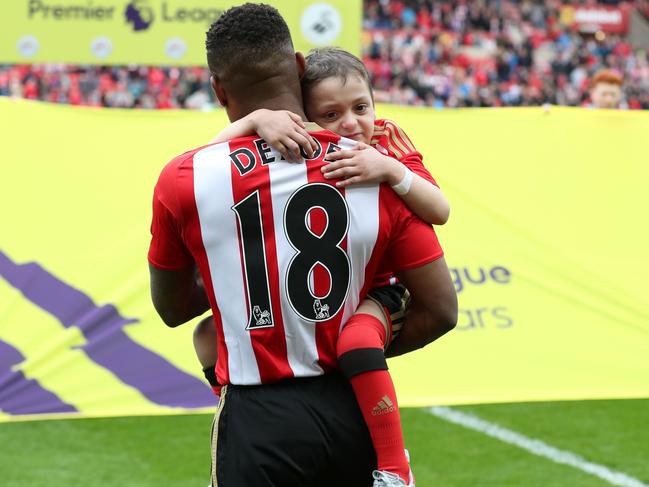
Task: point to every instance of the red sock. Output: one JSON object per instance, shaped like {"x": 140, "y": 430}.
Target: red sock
{"x": 375, "y": 394}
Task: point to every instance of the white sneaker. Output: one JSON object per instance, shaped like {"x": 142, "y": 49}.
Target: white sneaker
{"x": 388, "y": 479}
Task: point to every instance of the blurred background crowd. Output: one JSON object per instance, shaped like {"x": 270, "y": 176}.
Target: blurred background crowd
{"x": 452, "y": 53}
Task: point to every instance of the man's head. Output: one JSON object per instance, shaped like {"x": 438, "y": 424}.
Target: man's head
{"x": 606, "y": 89}
{"x": 337, "y": 93}
{"x": 252, "y": 61}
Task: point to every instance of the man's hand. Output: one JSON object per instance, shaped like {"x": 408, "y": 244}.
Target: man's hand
{"x": 433, "y": 309}
{"x": 363, "y": 164}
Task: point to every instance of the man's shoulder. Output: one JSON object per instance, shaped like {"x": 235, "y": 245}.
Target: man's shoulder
{"x": 173, "y": 170}
{"x": 188, "y": 156}
{"x": 185, "y": 160}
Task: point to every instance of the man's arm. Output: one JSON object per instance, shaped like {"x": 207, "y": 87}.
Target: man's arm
{"x": 177, "y": 295}
{"x": 433, "y": 309}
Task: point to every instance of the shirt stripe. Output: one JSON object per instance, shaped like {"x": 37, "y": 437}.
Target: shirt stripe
{"x": 363, "y": 205}
{"x": 363, "y": 202}
{"x": 300, "y": 334}
{"x": 326, "y": 331}
{"x": 212, "y": 176}
{"x": 267, "y": 341}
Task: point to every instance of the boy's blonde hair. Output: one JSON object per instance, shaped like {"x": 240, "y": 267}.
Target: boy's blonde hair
{"x": 332, "y": 62}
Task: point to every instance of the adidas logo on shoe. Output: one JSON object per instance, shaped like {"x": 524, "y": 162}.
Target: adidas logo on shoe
{"x": 384, "y": 406}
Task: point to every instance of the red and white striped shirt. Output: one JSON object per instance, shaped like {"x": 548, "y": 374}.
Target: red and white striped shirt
{"x": 285, "y": 256}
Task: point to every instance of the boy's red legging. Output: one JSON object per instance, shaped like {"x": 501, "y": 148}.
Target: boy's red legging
{"x": 362, "y": 360}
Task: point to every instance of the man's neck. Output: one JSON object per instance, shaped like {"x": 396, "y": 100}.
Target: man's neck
{"x": 289, "y": 103}
{"x": 282, "y": 98}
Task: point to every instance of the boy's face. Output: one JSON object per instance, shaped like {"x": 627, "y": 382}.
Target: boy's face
{"x": 606, "y": 95}
{"x": 345, "y": 108}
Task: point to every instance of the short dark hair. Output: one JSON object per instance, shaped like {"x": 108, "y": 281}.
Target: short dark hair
{"x": 332, "y": 62}
{"x": 252, "y": 34}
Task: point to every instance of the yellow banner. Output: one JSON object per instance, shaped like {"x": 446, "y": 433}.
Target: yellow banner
{"x": 547, "y": 243}
{"x": 153, "y": 32}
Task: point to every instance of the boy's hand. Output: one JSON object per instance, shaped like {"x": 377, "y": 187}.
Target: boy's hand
{"x": 284, "y": 131}
{"x": 363, "y": 164}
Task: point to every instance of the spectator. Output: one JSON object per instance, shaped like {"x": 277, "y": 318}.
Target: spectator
{"x": 606, "y": 89}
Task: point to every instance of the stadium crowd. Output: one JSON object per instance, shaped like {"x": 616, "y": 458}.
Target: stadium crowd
{"x": 110, "y": 86}
{"x": 452, "y": 53}
{"x": 491, "y": 53}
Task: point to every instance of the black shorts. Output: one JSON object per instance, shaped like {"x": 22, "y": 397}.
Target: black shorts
{"x": 305, "y": 432}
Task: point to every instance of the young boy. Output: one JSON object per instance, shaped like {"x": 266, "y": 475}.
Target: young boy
{"x": 338, "y": 97}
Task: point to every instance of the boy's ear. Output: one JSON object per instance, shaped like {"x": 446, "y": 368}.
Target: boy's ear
{"x": 301, "y": 64}
{"x": 219, "y": 91}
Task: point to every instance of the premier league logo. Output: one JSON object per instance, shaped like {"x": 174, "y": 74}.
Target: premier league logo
{"x": 139, "y": 15}
{"x": 321, "y": 310}
{"x": 262, "y": 318}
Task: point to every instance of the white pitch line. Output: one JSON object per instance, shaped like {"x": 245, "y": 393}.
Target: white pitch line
{"x": 536, "y": 447}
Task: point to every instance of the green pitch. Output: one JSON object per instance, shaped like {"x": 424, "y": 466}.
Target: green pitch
{"x": 174, "y": 450}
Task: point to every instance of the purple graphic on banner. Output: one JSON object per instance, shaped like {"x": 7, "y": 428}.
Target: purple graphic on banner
{"x": 106, "y": 342}
{"x": 140, "y": 16}
{"x": 20, "y": 395}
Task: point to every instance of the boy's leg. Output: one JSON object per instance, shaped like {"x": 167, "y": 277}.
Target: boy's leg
{"x": 361, "y": 358}
{"x": 394, "y": 300}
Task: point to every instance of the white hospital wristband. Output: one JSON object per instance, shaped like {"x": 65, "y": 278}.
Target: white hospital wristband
{"x": 403, "y": 186}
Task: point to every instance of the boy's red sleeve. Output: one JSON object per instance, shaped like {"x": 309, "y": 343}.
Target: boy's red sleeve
{"x": 391, "y": 140}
